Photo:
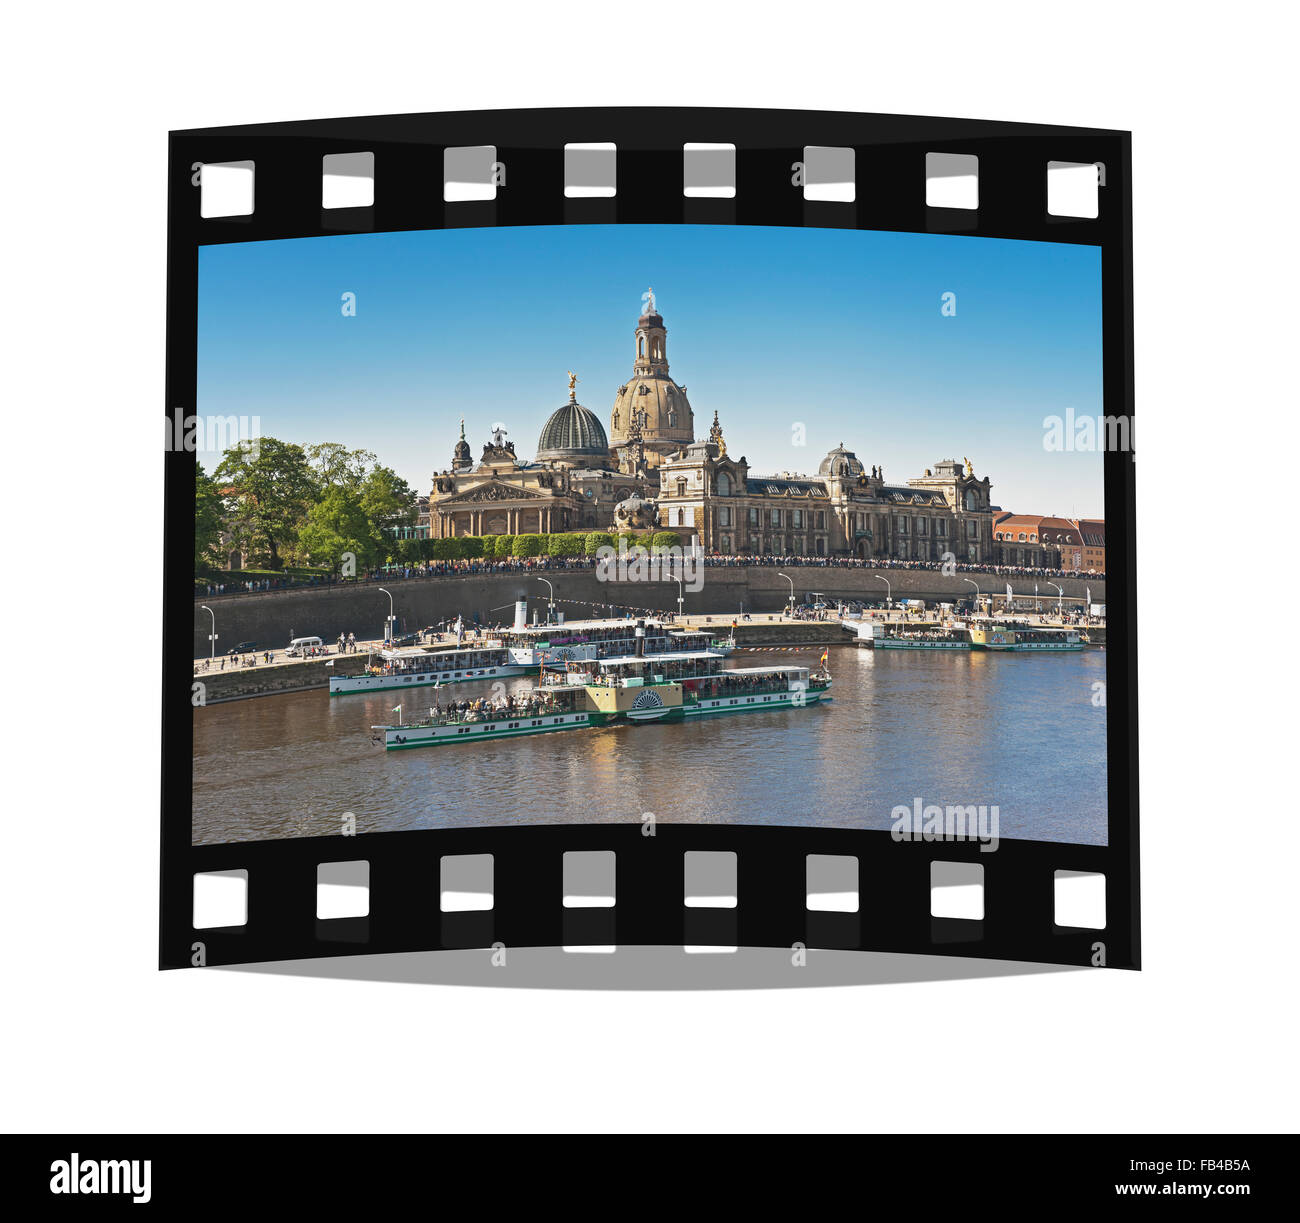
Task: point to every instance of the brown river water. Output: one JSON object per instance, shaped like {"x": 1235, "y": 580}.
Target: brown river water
{"x": 1018, "y": 731}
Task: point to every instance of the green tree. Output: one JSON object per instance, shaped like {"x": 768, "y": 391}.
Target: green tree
{"x": 666, "y": 539}
{"x": 334, "y": 464}
{"x": 270, "y": 488}
{"x": 502, "y": 546}
{"x": 410, "y": 551}
{"x": 209, "y": 520}
{"x": 336, "y": 525}
{"x": 597, "y": 540}
{"x": 527, "y": 545}
{"x": 387, "y": 499}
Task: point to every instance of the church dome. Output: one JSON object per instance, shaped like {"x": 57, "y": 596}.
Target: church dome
{"x": 841, "y": 462}
{"x": 659, "y": 406}
{"x": 573, "y": 434}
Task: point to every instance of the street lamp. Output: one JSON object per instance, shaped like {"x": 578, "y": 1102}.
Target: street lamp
{"x": 391, "y": 617}
{"x": 680, "y": 599}
{"x": 791, "y": 581}
{"x": 889, "y": 590}
{"x": 977, "y": 592}
{"x": 1059, "y": 592}
{"x": 212, "y": 637}
{"x": 550, "y": 604}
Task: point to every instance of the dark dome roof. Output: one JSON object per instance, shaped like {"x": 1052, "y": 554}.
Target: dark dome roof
{"x": 840, "y": 461}
{"x": 572, "y": 432}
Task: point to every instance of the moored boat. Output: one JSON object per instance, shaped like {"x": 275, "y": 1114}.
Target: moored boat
{"x": 422, "y": 668}
{"x": 1023, "y": 638}
{"x": 555, "y": 645}
{"x": 918, "y": 638}
{"x": 523, "y": 649}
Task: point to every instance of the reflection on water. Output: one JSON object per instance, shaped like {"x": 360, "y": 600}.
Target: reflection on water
{"x": 1016, "y": 731}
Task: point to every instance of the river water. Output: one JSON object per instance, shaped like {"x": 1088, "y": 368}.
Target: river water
{"x": 1015, "y": 731}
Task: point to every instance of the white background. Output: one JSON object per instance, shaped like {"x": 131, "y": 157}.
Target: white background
{"x": 94, "y": 1037}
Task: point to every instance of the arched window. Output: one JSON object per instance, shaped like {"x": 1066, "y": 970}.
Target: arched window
{"x": 681, "y": 488}
{"x": 724, "y": 484}
{"x": 640, "y": 346}
{"x": 972, "y": 502}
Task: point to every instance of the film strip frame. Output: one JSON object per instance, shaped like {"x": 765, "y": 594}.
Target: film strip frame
{"x": 771, "y": 901}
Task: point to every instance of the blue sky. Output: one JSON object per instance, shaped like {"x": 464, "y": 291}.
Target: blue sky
{"x": 840, "y": 330}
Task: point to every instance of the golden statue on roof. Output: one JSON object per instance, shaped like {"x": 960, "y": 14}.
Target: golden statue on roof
{"x": 715, "y": 436}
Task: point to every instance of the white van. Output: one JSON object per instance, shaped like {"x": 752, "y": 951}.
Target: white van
{"x": 299, "y": 646}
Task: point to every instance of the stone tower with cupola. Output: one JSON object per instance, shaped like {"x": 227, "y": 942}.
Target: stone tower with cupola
{"x": 650, "y": 409}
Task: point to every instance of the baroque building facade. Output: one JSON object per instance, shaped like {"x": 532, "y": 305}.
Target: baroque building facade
{"x": 843, "y": 510}
{"x": 580, "y": 474}
{"x": 500, "y": 495}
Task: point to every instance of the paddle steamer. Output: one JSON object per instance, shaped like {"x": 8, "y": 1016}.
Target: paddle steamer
{"x": 671, "y": 686}
{"x": 519, "y": 650}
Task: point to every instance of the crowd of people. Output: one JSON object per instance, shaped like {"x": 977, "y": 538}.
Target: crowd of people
{"x": 257, "y": 585}
{"x": 546, "y": 564}
{"x": 670, "y": 670}
{"x": 885, "y": 562}
{"x": 731, "y": 684}
{"x": 486, "y": 708}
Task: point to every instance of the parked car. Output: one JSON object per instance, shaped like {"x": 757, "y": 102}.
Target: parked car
{"x": 244, "y": 647}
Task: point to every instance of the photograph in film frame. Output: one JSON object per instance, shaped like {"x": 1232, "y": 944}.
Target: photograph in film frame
{"x": 697, "y": 528}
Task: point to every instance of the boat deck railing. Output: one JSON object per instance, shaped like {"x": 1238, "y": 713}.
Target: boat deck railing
{"x": 431, "y": 668}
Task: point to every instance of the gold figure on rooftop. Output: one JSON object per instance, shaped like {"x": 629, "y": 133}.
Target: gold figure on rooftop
{"x": 715, "y": 436}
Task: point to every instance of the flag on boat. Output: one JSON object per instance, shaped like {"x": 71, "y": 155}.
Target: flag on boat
{"x": 826, "y": 654}
{"x": 397, "y": 709}
{"x": 1009, "y": 594}
{"x": 1087, "y": 590}
{"x": 330, "y": 663}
